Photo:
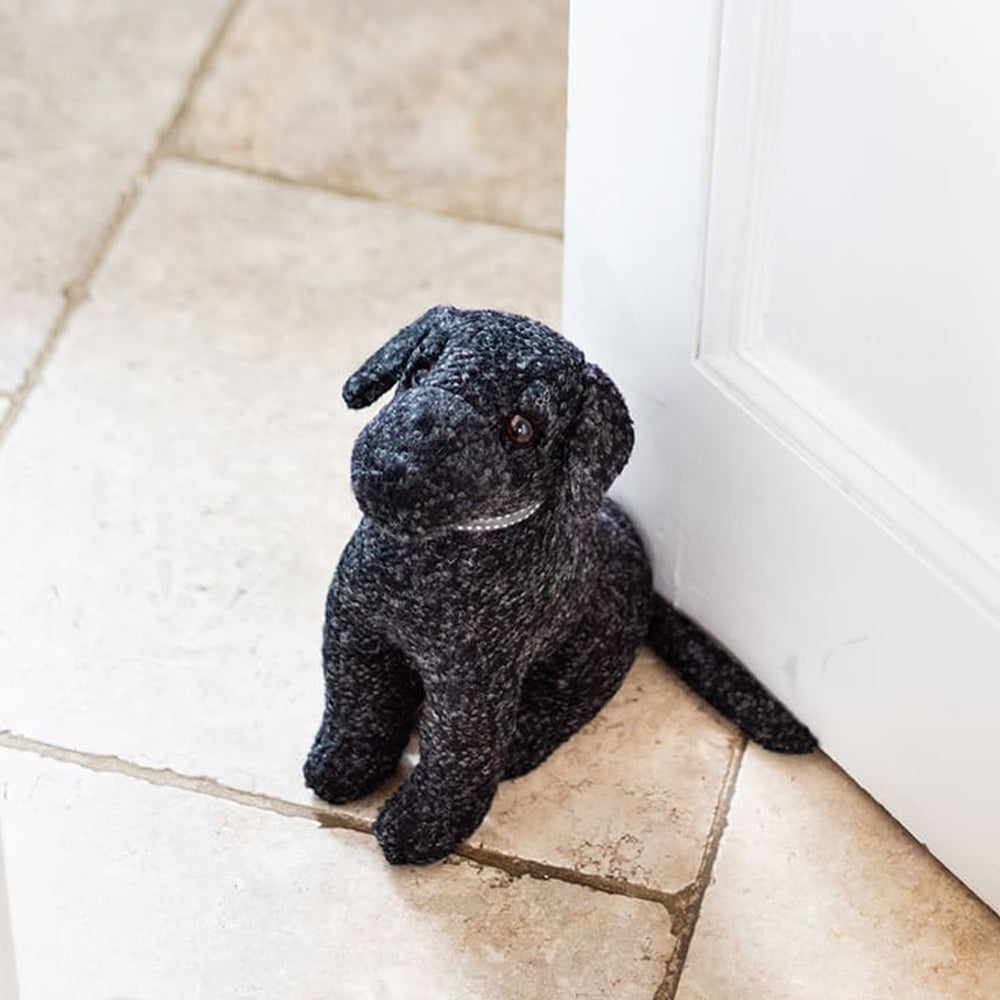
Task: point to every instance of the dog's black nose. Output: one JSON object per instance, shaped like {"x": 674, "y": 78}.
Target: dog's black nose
{"x": 410, "y": 438}
{"x": 396, "y": 470}
{"x": 424, "y": 422}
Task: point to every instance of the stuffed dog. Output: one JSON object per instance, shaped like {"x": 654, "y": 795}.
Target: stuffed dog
{"x": 491, "y": 584}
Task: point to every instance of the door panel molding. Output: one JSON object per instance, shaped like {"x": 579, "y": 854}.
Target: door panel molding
{"x": 731, "y": 350}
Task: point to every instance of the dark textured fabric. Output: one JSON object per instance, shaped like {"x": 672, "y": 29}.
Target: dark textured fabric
{"x": 507, "y": 640}
{"x": 724, "y": 682}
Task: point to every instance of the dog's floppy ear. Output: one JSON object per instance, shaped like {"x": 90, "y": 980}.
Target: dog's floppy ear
{"x": 599, "y": 445}
{"x": 382, "y": 370}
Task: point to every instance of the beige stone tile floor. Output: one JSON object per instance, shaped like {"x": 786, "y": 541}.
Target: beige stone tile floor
{"x": 282, "y": 908}
{"x": 85, "y": 92}
{"x": 816, "y": 892}
{"x": 457, "y": 105}
{"x": 173, "y": 496}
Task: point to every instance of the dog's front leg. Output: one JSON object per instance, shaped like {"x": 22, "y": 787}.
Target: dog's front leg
{"x": 468, "y": 719}
{"x": 371, "y": 698}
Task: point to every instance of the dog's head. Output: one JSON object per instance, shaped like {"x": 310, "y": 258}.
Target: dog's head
{"x": 495, "y": 415}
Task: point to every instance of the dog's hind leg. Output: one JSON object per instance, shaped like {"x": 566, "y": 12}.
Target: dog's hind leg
{"x": 565, "y": 690}
{"x": 371, "y": 699}
{"x": 562, "y": 693}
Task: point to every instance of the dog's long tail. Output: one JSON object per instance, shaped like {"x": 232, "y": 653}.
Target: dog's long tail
{"x": 724, "y": 682}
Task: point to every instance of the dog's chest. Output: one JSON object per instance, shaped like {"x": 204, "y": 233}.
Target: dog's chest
{"x": 505, "y": 590}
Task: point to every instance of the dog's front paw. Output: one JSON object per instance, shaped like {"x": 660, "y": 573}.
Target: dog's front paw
{"x": 419, "y": 825}
{"x": 339, "y": 770}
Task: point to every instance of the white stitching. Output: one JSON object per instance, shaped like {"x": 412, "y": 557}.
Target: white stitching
{"x": 500, "y": 520}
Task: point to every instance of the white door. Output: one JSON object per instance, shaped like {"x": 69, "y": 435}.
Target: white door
{"x": 783, "y": 239}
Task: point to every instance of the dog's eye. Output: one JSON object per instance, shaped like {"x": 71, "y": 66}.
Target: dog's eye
{"x": 420, "y": 372}
{"x": 520, "y": 429}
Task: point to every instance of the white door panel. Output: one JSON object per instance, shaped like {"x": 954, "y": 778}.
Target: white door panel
{"x": 852, "y": 236}
{"x": 783, "y": 239}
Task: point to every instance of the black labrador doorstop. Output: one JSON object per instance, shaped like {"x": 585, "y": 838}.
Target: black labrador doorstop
{"x": 491, "y": 584}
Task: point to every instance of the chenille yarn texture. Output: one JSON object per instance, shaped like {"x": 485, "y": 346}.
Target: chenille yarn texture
{"x": 491, "y": 590}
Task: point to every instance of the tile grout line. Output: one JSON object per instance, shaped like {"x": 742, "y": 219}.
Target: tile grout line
{"x": 183, "y": 156}
{"x": 519, "y": 867}
{"x": 169, "y": 778}
{"x": 694, "y": 896}
{"x": 194, "y": 80}
{"x": 76, "y": 290}
{"x": 329, "y": 818}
